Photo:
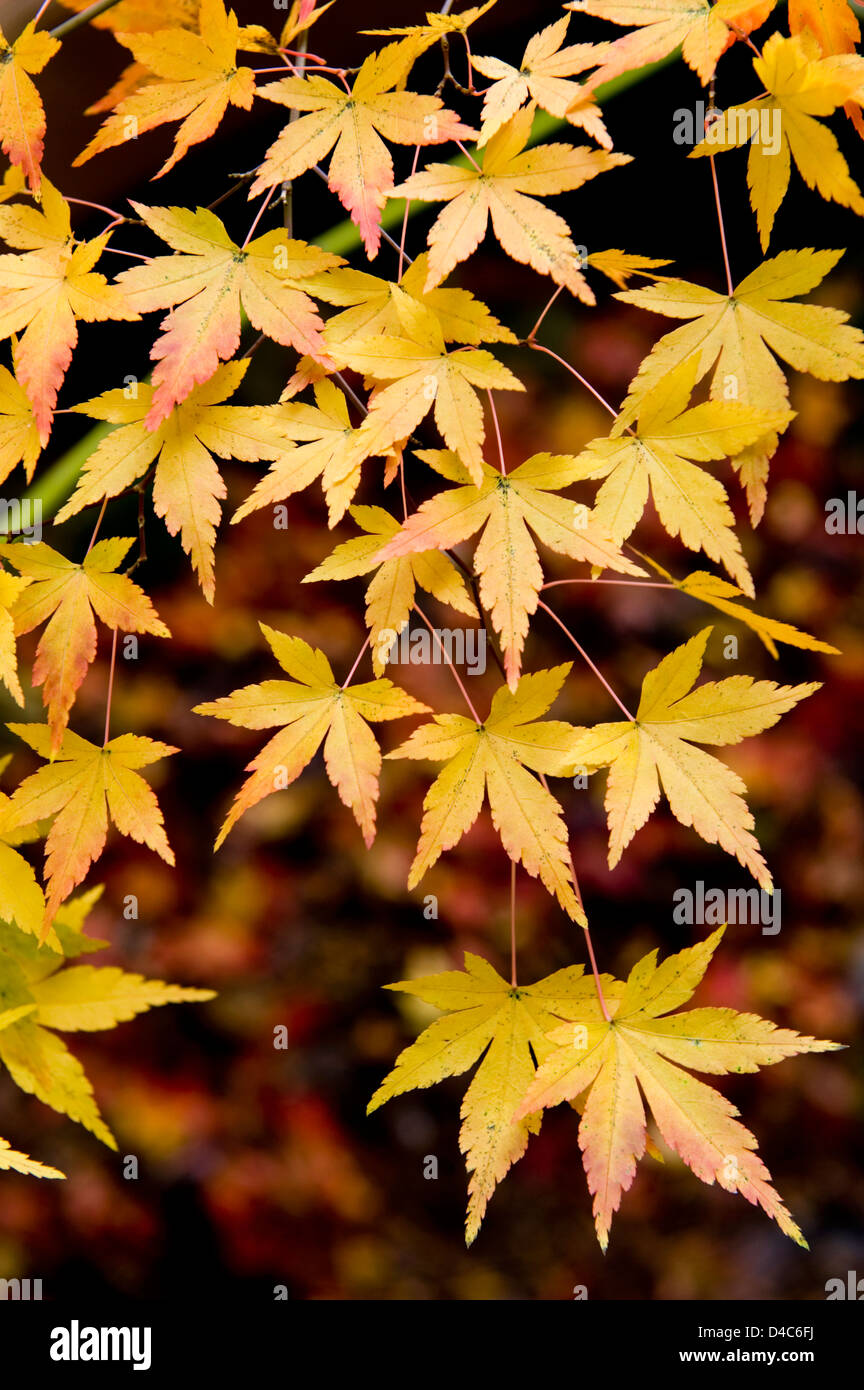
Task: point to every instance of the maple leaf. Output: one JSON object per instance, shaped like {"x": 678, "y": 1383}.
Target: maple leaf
{"x": 508, "y": 508}
{"x": 542, "y": 77}
{"x": 495, "y": 757}
{"x": 311, "y": 707}
{"x": 658, "y": 455}
{"x": 621, "y": 266}
{"x": 423, "y": 375}
{"x": 11, "y": 588}
{"x": 361, "y": 169}
{"x": 835, "y": 27}
{"x": 22, "y": 901}
{"x": 438, "y": 26}
{"x": 703, "y": 30}
{"x": 711, "y": 589}
{"x": 77, "y": 998}
{"x": 644, "y": 1046}
{"x": 22, "y": 115}
{"x": 131, "y": 17}
{"x": 71, "y": 596}
{"x": 81, "y": 787}
{"x": 656, "y": 748}
{"x": 799, "y": 85}
{"x": 301, "y": 16}
{"x": 199, "y": 76}
{"x": 328, "y": 447}
{"x": 390, "y": 595}
{"x": 370, "y": 305}
{"x": 736, "y": 331}
{"x": 374, "y": 307}
{"x": 502, "y": 189}
{"x": 22, "y": 1163}
{"x": 19, "y": 432}
{"x": 504, "y": 1026}
{"x": 187, "y": 484}
{"x": 45, "y": 290}
{"x": 210, "y": 278}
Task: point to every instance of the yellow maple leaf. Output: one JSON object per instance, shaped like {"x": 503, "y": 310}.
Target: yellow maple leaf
{"x": 327, "y": 446}
{"x": 644, "y": 1046}
{"x": 361, "y": 169}
{"x": 437, "y": 26}
{"x": 711, "y": 589}
{"x": 312, "y": 707}
{"x": 508, "y": 509}
{"x": 22, "y": 901}
{"x": 390, "y": 594}
{"x": 736, "y": 331}
{"x": 81, "y": 787}
{"x": 657, "y": 748}
{"x": 543, "y": 77}
{"x": 199, "y": 80}
{"x": 11, "y": 588}
{"x": 503, "y": 1026}
{"x": 370, "y": 305}
{"x": 19, "y": 432}
{"x": 424, "y": 375}
{"x": 781, "y": 126}
{"x": 187, "y": 484}
{"x": 22, "y": 116}
{"x": 373, "y": 306}
{"x": 12, "y": 1159}
{"x": 494, "y": 759}
{"x": 77, "y": 998}
{"x": 505, "y": 188}
{"x": 70, "y": 597}
{"x": 621, "y": 266}
{"x": 205, "y": 283}
{"x": 661, "y": 455}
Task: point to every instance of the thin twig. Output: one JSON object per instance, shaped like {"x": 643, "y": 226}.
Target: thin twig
{"x": 350, "y": 675}
{"x": 729, "y": 284}
{"x": 61, "y": 30}
{"x": 624, "y": 583}
{"x": 533, "y": 332}
{"x": 449, "y": 661}
{"x": 98, "y": 524}
{"x": 586, "y": 658}
{"x": 514, "y": 982}
{"x": 110, "y": 689}
{"x": 491, "y": 401}
{"x": 538, "y": 347}
{"x": 405, "y": 217}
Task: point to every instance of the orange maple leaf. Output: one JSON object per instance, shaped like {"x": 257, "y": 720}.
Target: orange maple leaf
{"x": 312, "y": 708}
{"x": 68, "y": 595}
{"x": 80, "y": 787}
{"x": 361, "y": 170}
{"x": 835, "y": 27}
{"x": 210, "y": 278}
{"x": 198, "y": 80}
{"x": 22, "y": 116}
{"x": 45, "y": 290}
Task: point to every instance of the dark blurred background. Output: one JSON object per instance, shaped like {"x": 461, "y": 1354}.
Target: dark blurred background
{"x": 258, "y": 1166}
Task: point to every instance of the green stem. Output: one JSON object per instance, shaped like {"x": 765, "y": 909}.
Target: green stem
{"x": 57, "y": 482}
